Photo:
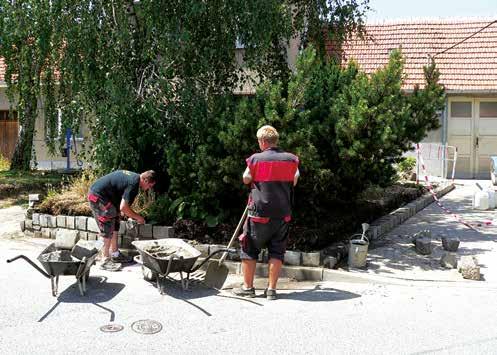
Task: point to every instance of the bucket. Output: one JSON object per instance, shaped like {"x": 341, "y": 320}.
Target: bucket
{"x": 480, "y": 199}
{"x": 358, "y": 252}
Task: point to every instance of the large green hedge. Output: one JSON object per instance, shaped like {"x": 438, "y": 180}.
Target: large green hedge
{"x": 348, "y": 129}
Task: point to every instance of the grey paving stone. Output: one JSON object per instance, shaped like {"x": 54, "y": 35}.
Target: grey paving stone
{"x": 468, "y": 267}
{"x": 450, "y": 243}
{"x": 66, "y": 238}
{"x": 81, "y": 222}
{"x": 46, "y": 232}
{"x": 311, "y": 259}
{"x": 36, "y": 219}
{"x": 330, "y": 262}
{"x": 92, "y": 236}
{"x": 145, "y": 231}
{"x": 61, "y": 221}
{"x": 423, "y": 245}
{"x": 293, "y": 257}
{"x": 302, "y": 273}
{"x": 161, "y": 232}
{"x": 22, "y": 225}
{"x": 92, "y": 225}
{"x": 449, "y": 260}
{"x": 37, "y": 234}
{"x": 52, "y": 221}
{"x": 28, "y": 224}
{"x": 70, "y": 222}
{"x": 44, "y": 220}
{"x": 34, "y": 197}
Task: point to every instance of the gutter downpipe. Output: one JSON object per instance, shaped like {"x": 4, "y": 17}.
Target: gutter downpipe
{"x": 444, "y": 138}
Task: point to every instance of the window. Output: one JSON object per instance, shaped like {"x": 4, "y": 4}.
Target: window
{"x": 6, "y": 115}
{"x": 460, "y": 109}
{"x": 488, "y": 109}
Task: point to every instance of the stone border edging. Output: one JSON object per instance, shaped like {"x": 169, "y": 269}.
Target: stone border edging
{"x": 388, "y": 222}
{"x": 297, "y": 264}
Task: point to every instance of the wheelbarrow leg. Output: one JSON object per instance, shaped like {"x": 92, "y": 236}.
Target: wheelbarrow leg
{"x": 183, "y": 281}
{"x": 54, "y": 280}
{"x": 160, "y": 284}
{"x": 82, "y": 285}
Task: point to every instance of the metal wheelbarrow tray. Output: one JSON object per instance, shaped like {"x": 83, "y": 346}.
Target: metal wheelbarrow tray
{"x": 62, "y": 264}
{"x": 182, "y": 261}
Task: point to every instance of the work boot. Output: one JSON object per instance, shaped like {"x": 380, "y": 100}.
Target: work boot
{"x": 109, "y": 265}
{"x": 270, "y": 294}
{"x": 121, "y": 258}
{"x": 244, "y": 292}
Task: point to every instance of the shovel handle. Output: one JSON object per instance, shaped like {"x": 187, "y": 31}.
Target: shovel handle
{"x": 237, "y": 231}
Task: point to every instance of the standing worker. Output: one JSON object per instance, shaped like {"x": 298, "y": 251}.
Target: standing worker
{"x": 109, "y": 196}
{"x": 272, "y": 174}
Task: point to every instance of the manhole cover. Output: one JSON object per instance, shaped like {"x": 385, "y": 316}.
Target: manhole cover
{"x": 111, "y": 328}
{"x": 146, "y": 326}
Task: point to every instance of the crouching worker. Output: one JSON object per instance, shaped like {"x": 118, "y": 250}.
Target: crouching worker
{"x": 272, "y": 174}
{"x": 110, "y": 196}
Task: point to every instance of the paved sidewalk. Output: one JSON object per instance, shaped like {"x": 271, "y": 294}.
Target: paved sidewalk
{"x": 394, "y": 256}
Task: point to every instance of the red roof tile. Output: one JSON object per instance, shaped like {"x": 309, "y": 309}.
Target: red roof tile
{"x": 469, "y": 66}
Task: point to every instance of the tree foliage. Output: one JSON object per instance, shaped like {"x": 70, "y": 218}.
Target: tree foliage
{"x": 348, "y": 128}
{"x": 143, "y": 73}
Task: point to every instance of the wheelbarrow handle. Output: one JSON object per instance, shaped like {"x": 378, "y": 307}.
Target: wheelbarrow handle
{"x": 31, "y": 263}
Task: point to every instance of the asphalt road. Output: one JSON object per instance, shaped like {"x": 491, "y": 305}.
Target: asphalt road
{"x": 309, "y": 318}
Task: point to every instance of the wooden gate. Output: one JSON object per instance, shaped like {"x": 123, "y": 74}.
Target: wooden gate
{"x": 9, "y": 132}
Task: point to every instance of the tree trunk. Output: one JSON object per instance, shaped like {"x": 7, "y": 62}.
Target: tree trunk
{"x": 23, "y": 152}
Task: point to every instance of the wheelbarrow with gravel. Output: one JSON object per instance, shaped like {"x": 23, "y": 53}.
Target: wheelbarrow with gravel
{"x": 159, "y": 258}
{"x": 62, "y": 262}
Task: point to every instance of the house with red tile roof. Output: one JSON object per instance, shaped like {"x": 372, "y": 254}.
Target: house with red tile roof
{"x": 465, "y": 52}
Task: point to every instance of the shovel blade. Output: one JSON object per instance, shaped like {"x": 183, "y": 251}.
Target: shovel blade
{"x": 216, "y": 275}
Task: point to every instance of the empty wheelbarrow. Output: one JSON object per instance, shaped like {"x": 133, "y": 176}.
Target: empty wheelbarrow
{"x": 57, "y": 262}
{"x": 164, "y": 256}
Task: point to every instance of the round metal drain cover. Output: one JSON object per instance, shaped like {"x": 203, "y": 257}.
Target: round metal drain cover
{"x": 146, "y": 326}
{"x": 111, "y": 328}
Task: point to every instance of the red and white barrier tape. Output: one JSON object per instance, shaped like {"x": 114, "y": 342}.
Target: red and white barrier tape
{"x": 445, "y": 209}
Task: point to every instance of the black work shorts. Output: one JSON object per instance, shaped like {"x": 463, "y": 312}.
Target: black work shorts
{"x": 272, "y": 234}
{"x": 105, "y": 214}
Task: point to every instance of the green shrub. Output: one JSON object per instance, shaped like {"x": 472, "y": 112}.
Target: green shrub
{"x": 406, "y": 167}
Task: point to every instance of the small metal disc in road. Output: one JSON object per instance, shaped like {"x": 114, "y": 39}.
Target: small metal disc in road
{"x": 146, "y": 326}
{"x": 111, "y": 328}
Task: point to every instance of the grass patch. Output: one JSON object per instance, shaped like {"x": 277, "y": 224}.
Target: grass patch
{"x": 16, "y": 185}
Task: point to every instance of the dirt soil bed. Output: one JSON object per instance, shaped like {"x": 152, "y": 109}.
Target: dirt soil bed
{"x": 338, "y": 224}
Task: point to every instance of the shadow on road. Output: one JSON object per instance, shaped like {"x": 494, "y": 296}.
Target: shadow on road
{"x": 196, "y": 289}
{"x": 319, "y": 294}
{"x": 98, "y": 291}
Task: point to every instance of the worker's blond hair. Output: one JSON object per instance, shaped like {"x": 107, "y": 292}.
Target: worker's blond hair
{"x": 268, "y": 134}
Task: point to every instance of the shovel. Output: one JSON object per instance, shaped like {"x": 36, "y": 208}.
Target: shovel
{"x": 217, "y": 271}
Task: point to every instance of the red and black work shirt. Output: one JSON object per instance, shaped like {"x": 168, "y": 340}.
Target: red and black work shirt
{"x": 272, "y": 172}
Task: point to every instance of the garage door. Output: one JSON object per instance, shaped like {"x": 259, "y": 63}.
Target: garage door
{"x": 472, "y": 128}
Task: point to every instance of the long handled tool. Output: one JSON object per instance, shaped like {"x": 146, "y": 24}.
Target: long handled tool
{"x": 217, "y": 271}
